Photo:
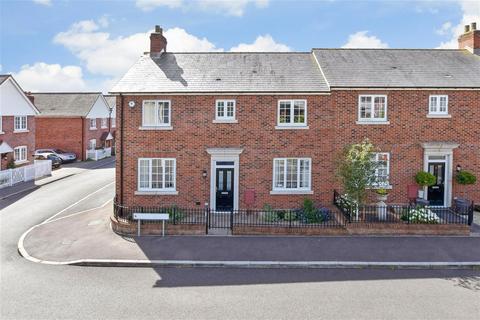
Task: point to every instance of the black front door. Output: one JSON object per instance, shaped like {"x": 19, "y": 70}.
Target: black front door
{"x": 224, "y": 189}
{"x": 436, "y": 193}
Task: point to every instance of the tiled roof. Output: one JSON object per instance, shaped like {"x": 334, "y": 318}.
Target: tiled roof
{"x": 223, "y": 72}
{"x": 65, "y": 104}
{"x": 418, "y": 68}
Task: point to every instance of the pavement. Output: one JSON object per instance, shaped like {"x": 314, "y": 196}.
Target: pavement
{"x": 65, "y": 171}
{"x": 85, "y": 238}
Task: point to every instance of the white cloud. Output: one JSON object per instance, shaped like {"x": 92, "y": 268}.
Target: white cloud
{"x": 262, "y": 43}
{"x": 361, "y": 39}
{"x": 471, "y": 13}
{"x": 105, "y": 55}
{"x": 50, "y": 77}
{"x": 229, "y": 7}
{"x": 148, "y": 5}
{"x": 444, "y": 29}
{"x": 43, "y": 2}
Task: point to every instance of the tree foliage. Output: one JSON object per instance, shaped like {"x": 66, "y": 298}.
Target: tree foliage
{"x": 356, "y": 169}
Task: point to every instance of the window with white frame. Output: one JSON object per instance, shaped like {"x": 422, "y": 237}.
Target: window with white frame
{"x": 438, "y": 105}
{"x": 156, "y": 174}
{"x": 104, "y": 122}
{"x": 93, "y": 124}
{"x": 20, "y": 154}
{"x": 382, "y": 170}
{"x": 1, "y": 124}
{"x": 372, "y": 108}
{"x": 156, "y": 113}
{"x": 225, "y": 110}
{"x": 92, "y": 144}
{"x": 292, "y": 174}
{"x": 292, "y": 113}
{"x": 20, "y": 123}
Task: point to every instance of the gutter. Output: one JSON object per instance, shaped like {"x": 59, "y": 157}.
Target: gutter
{"x": 121, "y": 147}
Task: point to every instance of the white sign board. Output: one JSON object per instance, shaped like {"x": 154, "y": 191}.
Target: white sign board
{"x": 151, "y": 216}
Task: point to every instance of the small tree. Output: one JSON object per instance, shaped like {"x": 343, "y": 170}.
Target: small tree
{"x": 464, "y": 177}
{"x": 356, "y": 170}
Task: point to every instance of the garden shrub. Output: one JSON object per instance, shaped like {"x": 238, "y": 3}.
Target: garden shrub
{"x": 419, "y": 215}
{"x": 425, "y": 179}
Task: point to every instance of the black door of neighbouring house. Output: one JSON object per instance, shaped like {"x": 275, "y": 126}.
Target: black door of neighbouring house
{"x": 436, "y": 193}
{"x": 224, "y": 189}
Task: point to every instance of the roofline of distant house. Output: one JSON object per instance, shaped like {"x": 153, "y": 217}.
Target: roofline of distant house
{"x": 63, "y": 92}
{"x": 390, "y": 49}
{"x": 221, "y": 93}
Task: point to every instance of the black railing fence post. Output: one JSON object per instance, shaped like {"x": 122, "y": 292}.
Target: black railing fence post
{"x": 207, "y": 219}
{"x": 290, "y": 213}
{"x": 470, "y": 213}
{"x": 231, "y": 221}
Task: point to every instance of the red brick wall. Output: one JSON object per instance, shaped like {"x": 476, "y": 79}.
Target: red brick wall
{"x": 332, "y": 121}
{"x": 409, "y": 126}
{"x": 62, "y": 133}
{"x": 471, "y": 39}
{"x": 18, "y": 139}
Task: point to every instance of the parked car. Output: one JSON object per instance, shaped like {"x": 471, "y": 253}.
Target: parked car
{"x": 65, "y": 156}
{"x": 56, "y": 161}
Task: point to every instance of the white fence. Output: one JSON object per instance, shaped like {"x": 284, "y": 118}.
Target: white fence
{"x": 97, "y": 154}
{"x": 40, "y": 168}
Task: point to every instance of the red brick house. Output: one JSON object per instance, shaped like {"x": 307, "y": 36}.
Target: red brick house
{"x": 74, "y": 122}
{"x": 17, "y": 124}
{"x": 241, "y": 130}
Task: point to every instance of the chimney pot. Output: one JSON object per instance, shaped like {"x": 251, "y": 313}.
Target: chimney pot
{"x": 158, "y": 29}
{"x": 473, "y": 26}
{"x": 467, "y": 28}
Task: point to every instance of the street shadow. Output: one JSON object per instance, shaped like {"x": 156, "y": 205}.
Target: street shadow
{"x": 90, "y": 164}
{"x": 198, "y": 277}
{"x": 12, "y": 196}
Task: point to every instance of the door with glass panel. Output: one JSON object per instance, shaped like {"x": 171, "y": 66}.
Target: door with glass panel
{"x": 224, "y": 189}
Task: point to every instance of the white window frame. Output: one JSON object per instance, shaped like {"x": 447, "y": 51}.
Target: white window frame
{"x": 1, "y": 125}
{"x": 21, "y": 128}
{"x": 437, "y": 111}
{"x": 372, "y": 119}
{"x": 298, "y": 189}
{"x": 20, "y": 149}
{"x": 225, "y": 118}
{"x": 292, "y": 124}
{"x": 385, "y": 185}
{"x": 171, "y": 190}
{"x": 157, "y": 124}
{"x": 91, "y": 121}
{"x": 104, "y": 123}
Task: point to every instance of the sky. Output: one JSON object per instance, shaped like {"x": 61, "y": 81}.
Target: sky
{"x": 86, "y": 45}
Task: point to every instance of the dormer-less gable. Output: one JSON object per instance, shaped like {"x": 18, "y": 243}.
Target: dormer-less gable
{"x": 13, "y": 101}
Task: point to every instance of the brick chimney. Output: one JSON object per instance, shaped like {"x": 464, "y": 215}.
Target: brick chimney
{"x": 470, "y": 39}
{"x": 158, "y": 43}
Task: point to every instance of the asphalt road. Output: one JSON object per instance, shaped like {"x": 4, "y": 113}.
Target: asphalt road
{"x": 35, "y": 291}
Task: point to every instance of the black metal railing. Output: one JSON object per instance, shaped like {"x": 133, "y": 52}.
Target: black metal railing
{"x": 401, "y": 213}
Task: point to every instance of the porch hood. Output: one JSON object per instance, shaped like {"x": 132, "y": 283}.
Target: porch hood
{"x": 4, "y": 147}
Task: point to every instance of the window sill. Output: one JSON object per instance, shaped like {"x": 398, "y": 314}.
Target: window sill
{"x": 292, "y": 127}
{"x": 224, "y": 121}
{"x": 156, "y": 128}
{"x": 439, "y": 116}
{"x": 373, "y": 122}
{"x": 103, "y": 127}
{"x": 156, "y": 193}
{"x": 283, "y": 192}
{"x": 389, "y": 187}
{"x": 93, "y": 129}
{"x": 21, "y": 131}
{"x": 2, "y": 132}
{"x": 21, "y": 162}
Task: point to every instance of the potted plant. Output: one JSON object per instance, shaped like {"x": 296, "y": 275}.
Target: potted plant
{"x": 424, "y": 179}
{"x": 382, "y": 194}
{"x": 464, "y": 178}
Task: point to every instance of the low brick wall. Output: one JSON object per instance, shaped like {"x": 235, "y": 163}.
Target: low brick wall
{"x": 407, "y": 229}
{"x": 322, "y": 231}
{"x": 129, "y": 228}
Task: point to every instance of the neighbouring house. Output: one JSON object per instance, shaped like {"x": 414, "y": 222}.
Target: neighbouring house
{"x": 242, "y": 130}
{"x": 17, "y": 124}
{"x": 77, "y": 122}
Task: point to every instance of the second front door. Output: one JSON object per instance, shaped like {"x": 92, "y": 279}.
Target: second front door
{"x": 224, "y": 189}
